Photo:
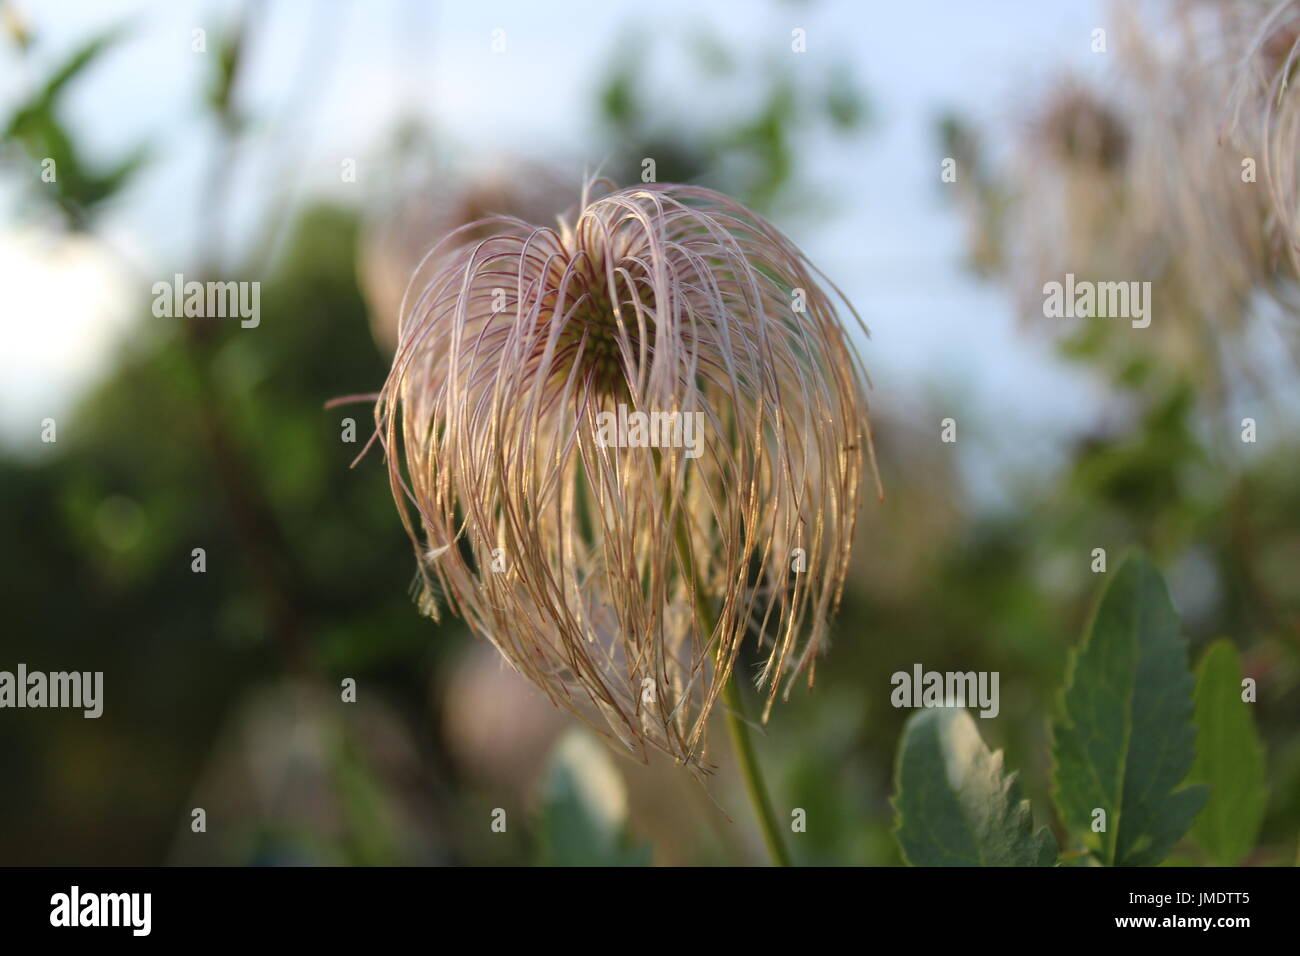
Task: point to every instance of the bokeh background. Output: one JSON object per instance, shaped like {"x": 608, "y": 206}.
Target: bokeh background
{"x": 320, "y": 149}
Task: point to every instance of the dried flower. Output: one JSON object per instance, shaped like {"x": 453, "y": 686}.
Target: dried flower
{"x": 1148, "y": 178}
{"x": 537, "y": 418}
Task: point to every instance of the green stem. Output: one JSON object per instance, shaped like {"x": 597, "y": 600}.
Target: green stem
{"x": 733, "y": 702}
{"x": 743, "y": 745}
{"x": 738, "y": 728}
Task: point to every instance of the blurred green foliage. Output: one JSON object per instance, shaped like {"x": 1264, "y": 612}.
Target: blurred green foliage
{"x": 37, "y": 133}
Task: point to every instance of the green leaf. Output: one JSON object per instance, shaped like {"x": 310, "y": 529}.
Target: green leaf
{"x": 36, "y": 127}
{"x": 81, "y": 58}
{"x": 954, "y": 805}
{"x": 40, "y": 108}
{"x": 1229, "y": 758}
{"x": 584, "y": 808}
{"x": 1123, "y": 737}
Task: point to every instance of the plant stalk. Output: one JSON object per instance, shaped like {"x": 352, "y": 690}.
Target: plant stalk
{"x": 743, "y": 746}
{"x": 742, "y": 743}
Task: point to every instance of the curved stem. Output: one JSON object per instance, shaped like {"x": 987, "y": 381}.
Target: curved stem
{"x": 743, "y": 745}
{"x": 734, "y": 704}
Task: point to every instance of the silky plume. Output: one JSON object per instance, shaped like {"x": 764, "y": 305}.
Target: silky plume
{"x": 624, "y": 581}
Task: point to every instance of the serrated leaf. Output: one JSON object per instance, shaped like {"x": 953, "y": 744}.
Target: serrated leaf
{"x": 583, "y": 818}
{"x": 954, "y": 805}
{"x": 1229, "y": 759}
{"x": 1123, "y": 737}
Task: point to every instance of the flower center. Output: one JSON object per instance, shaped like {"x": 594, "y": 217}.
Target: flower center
{"x": 607, "y": 319}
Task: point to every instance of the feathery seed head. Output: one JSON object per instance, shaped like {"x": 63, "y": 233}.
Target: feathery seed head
{"x": 631, "y": 444}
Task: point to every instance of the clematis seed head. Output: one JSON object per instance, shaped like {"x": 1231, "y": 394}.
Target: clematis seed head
{"x": 625, "y": 447}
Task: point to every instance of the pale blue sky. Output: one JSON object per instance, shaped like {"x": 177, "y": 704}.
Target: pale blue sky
{"x": 331, "y": 77}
